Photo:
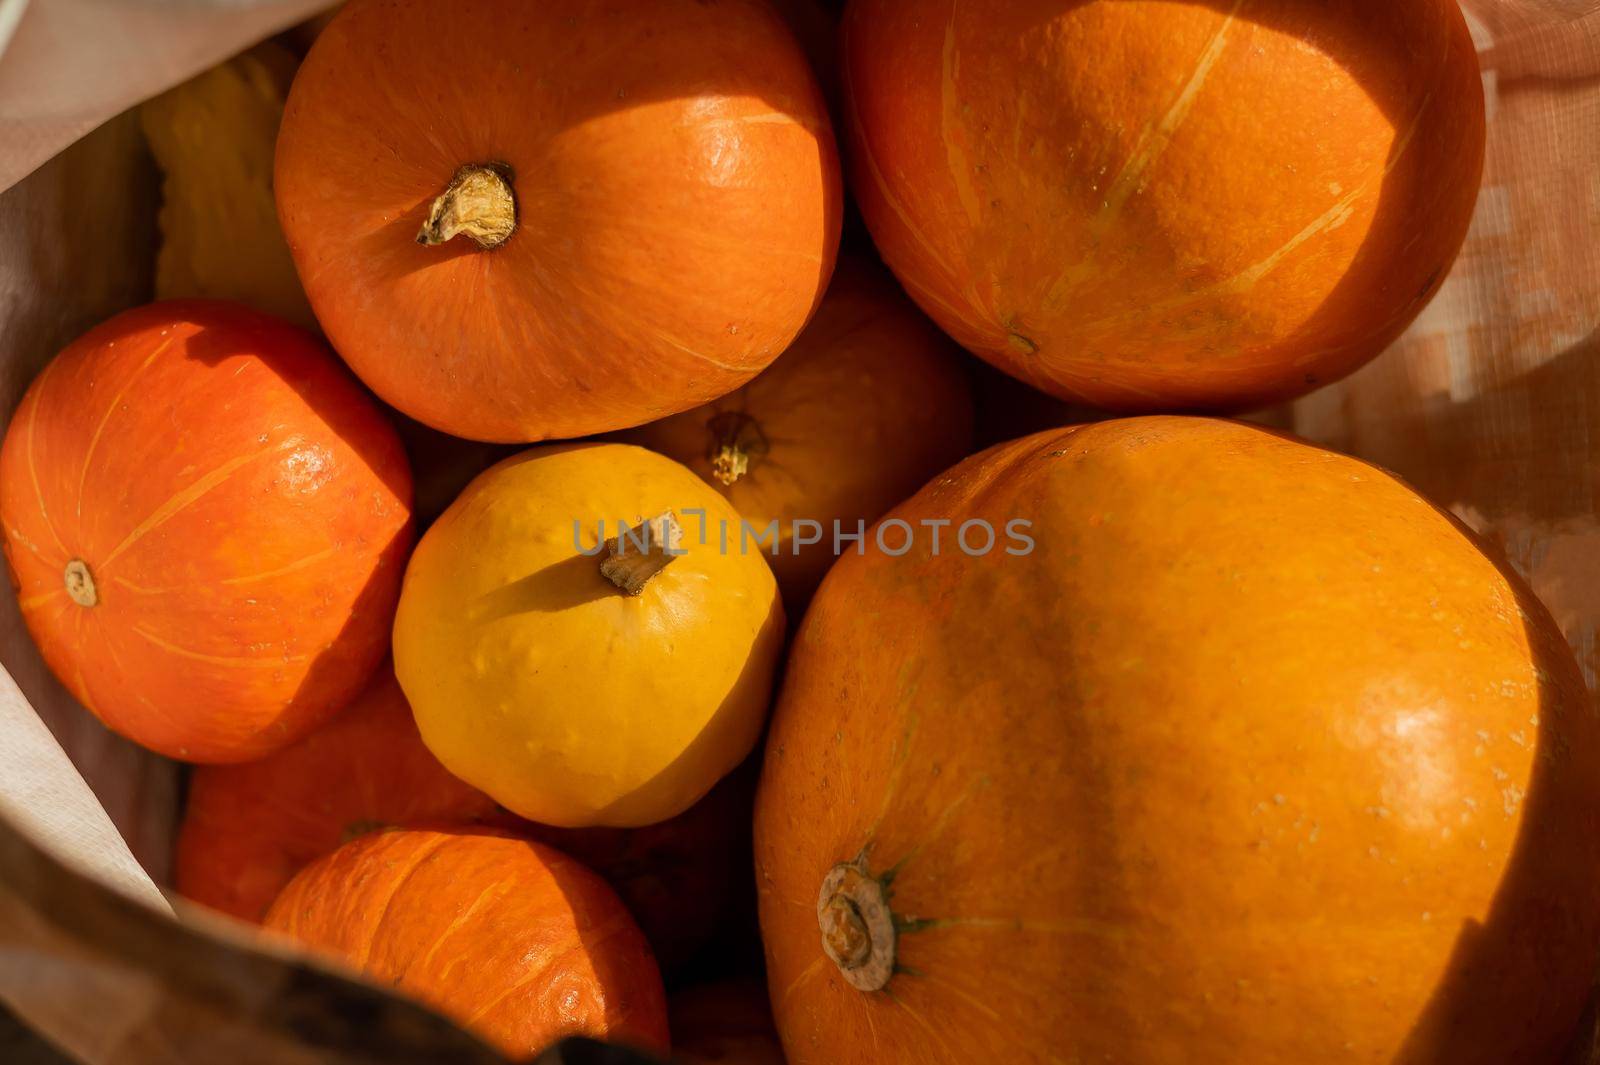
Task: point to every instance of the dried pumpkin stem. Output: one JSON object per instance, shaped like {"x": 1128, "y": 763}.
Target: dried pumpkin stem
{"x": 857, "y": 926}
{"x": 635, "y": 555}
{"x": 736, "y": 439}
{"x": 478, "y": 203}
{"x": 80, "y": 583}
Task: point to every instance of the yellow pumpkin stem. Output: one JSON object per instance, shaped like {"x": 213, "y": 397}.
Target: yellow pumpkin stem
{"x": 635, "y": 555}
{"x": 736, "y": 438}
{"x": 478, "y": 203}
{"x": 857, "y": 926}
{"x": 80, "y": 583}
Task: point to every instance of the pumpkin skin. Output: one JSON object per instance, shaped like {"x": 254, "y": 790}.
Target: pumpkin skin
{"x": 243, "y": 510}
{"x": 723, "y": 1024}
{"x": 676, "y": 215}
{"x": 247, "y": 829}
{"x": 1156, "y": 205}
{"x": 516, "y": 942}
{"x": 1255, "y": 758}
{"x": 869, "y": 403}
{"x": 213, "y": 139}
{"x": 536, "y": 679}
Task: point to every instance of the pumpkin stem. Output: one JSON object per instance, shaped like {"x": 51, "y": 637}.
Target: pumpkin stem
{"x": 736, "y": 438}
{"x": 80, "y": 583}
{"x": 479, "y": 203}
{"x": 635, "y": 555}
{"x": 857, "y": 926}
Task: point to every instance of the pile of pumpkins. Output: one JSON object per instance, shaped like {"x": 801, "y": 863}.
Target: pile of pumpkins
{"x": 1238, "y": 751}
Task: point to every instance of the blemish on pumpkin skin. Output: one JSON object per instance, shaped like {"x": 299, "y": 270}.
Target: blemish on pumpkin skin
{"x": 1022, "y": 344}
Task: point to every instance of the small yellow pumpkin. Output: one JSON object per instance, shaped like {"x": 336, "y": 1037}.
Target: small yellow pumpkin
{"x": 213, "y": 138}
{"x": 579, "y": 676}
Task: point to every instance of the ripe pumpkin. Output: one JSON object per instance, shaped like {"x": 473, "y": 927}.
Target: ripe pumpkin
{"x": 582, "y": 681}
{"x": 723, "y": 1024}
{"x": 1255, "y": 758}
{"x": 1145, "y": 204}
{"x": 205, "y": 519}
{"x": 516, "y": 942}
{"x": 213, "y": 139}
{"x": 247, "y": 829}
{"x": 868, "y": 404}
{"x": 522, "y": 221}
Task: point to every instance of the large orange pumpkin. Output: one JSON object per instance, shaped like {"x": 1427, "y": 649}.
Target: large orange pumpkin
{"x": 869, "y": 403}
{"x": 206, "y": 521}
{"x": 1253, "y": 758}
{"x": 247, "y": 829}
{"x": 520, "y": 221}
{"x": 515, "y": 941}
{"x": 1166, "y": 203}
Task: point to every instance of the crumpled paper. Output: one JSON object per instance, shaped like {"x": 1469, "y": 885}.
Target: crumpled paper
{"x": 1490, "y": 403}
{"x": 72, "y": 64}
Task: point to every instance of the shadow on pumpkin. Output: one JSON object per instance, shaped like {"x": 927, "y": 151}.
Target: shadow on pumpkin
{"x": 1523, "y": 973}
{"x": 685, "y": 880}
{"x": 560, "y": 586}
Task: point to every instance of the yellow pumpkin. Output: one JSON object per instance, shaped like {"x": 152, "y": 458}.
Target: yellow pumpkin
{"x": 580, "y": 677}
{"x": 213, "y": 138}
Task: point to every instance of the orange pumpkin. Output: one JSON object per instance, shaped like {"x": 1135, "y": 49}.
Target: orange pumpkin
{"x": 521, "y": 221}
{"x": 723, "y": 1024}
{"x": 513, "y": 940}
{"x": 206, "y": 521}
{"x": 1155, "y": 204}
{"x": 247, "y": 829}
{"x": 1253, "y": 758}
{"x": 869, "y": 403}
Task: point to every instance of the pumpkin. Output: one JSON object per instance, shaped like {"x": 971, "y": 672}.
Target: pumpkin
{"x": 580, "y": 673}
{"x": 205, "y": 520}
{"x": 1252, "y": 756}
{"x": 868, "y": 404}
{"x": 213, "y": 139}
{"x": 247, "y": 829}
{"x": 516, "y": 942}
{"x": 1145, "y": 204}
{"x": 511, "y": 232}
{"x": 723, "y": 1024}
